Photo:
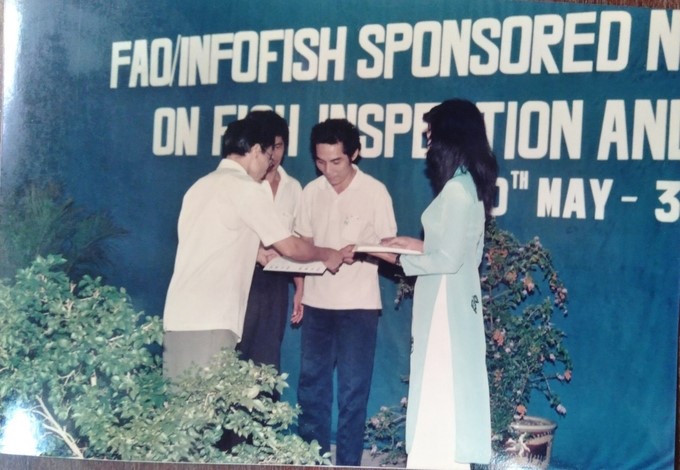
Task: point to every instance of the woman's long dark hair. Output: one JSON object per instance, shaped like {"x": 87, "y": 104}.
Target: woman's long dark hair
{"x": 458, "y": 139}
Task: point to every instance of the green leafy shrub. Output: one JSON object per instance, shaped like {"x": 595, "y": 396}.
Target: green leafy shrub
{"x": 79, "y": 359}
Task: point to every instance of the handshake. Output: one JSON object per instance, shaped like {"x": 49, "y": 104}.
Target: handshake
{"x": 305, "y": 251}
{"x": 388, "y": 250}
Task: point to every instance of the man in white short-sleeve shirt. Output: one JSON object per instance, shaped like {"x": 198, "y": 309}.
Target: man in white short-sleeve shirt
{"x": 344, "y": 206}
{"x": 224, "y": 217}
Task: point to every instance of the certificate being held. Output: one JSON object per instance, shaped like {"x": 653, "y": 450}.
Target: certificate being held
{"x": 384, "y": 249}
{"x": 284, "y": 264}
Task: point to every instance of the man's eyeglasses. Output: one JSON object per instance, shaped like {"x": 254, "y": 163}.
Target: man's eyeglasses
{"x": 270, "y": 156}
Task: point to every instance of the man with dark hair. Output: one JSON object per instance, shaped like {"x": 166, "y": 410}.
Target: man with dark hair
{"x": 267, "y": 309}
{"x": 344, "y": 206}
{"x": 224, "y": 217}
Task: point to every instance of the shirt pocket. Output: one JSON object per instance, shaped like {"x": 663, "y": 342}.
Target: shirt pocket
{"x": 288, "y": 219}
{"x": 356, "y": 229}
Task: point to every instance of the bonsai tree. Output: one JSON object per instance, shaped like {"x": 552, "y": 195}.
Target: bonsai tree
{"x": 79, "y": 362}
{"x": 521, "y": 292}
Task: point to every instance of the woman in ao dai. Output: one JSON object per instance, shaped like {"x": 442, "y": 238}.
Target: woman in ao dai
{"x": 448, "y": 418}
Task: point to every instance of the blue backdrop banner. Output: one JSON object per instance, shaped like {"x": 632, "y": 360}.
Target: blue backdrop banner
{"x": 125, "y": 102}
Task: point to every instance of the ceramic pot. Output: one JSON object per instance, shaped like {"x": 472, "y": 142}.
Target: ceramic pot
{"x": 532, "y": 447}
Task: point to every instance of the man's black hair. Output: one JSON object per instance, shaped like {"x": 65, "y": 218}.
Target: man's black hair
{"x": 243, "y": 134}
{"x": 334, "y": 131}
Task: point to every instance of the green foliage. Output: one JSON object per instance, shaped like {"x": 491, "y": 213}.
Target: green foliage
{"x": 79, "y": 358}
{"x": 37, "y": 220}
{"x": 229, "y": 394}
{"x": 78, "y": 354}
{"x": 384, "y": 434}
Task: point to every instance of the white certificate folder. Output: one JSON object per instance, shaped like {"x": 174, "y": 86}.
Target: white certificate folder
{"x": 385, "y": 249}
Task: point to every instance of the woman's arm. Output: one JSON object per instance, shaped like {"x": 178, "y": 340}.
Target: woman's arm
{"x": 445, "y": 234}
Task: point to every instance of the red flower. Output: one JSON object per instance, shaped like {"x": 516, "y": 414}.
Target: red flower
{"x": 499, "y": 337}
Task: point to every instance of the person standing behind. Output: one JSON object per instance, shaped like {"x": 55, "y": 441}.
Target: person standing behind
{"x": 344, "y": 206}
{"x": 448, "y": 424}
{"x": 224, "y": 217}
{"x": 267, "y": 310}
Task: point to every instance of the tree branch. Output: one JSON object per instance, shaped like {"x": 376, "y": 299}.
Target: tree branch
{"x": 58, "y": 430}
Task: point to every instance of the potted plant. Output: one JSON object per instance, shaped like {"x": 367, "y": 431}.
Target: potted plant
{"x": 521, "y": 292}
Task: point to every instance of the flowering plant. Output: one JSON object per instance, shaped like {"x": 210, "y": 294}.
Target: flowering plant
{"x": 521, "y": 290}
{"x": 384, "y": 434}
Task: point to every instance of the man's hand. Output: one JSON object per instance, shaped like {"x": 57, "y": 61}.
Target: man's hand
{"x": 298, "y": 308}
{"x": 333, "y": 260}
{"x": 348, "y": 254}
{"x": 265, "y": 255}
